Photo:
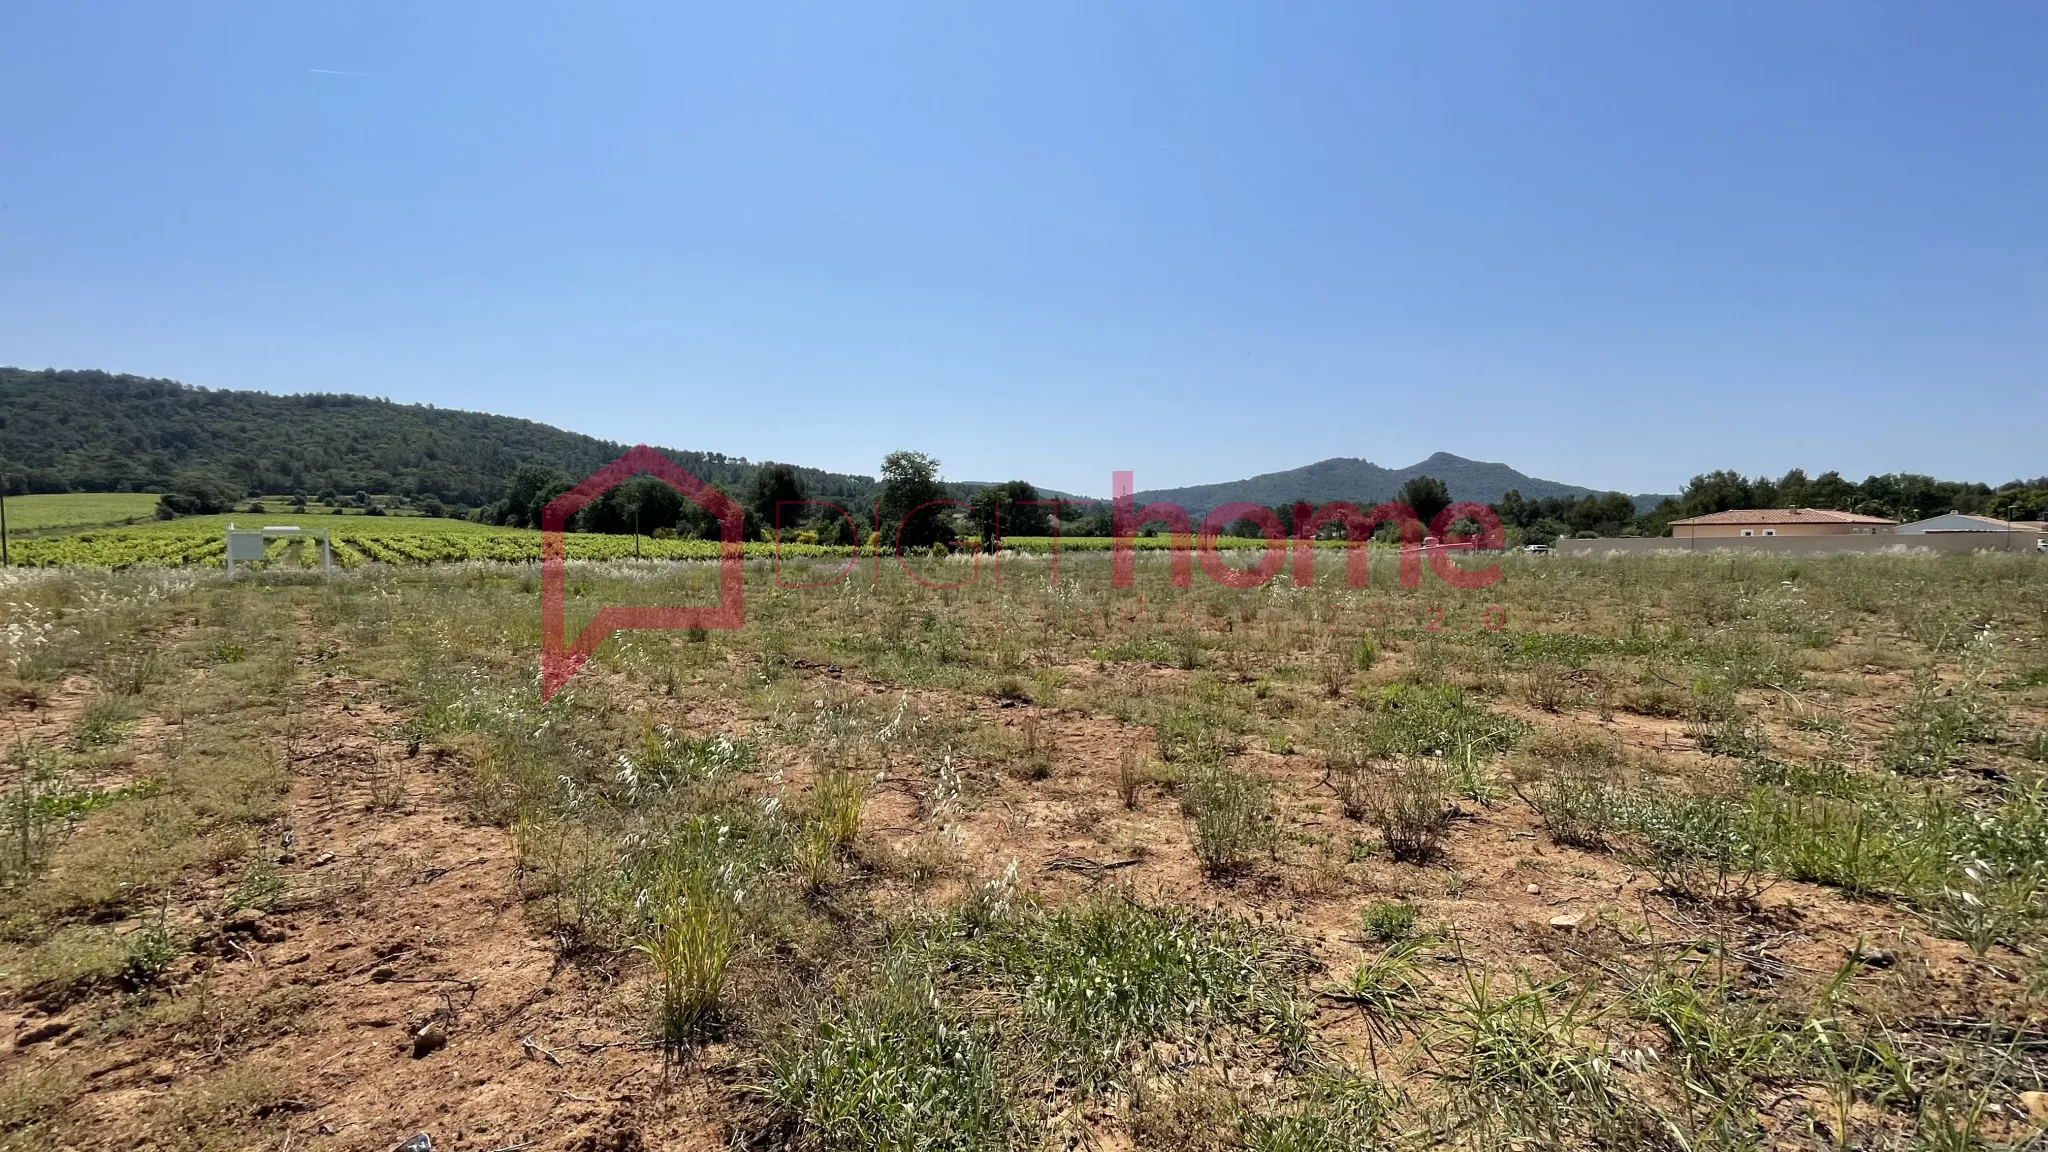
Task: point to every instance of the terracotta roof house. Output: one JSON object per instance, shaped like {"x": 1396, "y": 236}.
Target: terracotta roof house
{"x": 1778, "y": 522}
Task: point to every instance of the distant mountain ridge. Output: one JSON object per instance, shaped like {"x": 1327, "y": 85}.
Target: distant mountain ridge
{"x": 1363, "y": 482}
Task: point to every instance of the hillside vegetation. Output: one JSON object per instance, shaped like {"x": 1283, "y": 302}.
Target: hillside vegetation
{"x": 1363, "y": 482}
{"x": 63, "y": 430}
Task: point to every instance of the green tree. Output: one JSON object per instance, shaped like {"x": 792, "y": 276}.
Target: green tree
{"x": 1515, "y": 512}
{"x": 200, "y": 491}
{"x": 1606, "y": 515}
{"x": 1427, "y": 495}
{"x": 774, "y": 485}
{"x": 2018, "y": 504}
{"x": 1008, "y": 509}
{"x": 527, "y": 494}
{"x": 1711, "y": 492}
{"x": 910, "y": 486}
{"x": 641, "y": 504}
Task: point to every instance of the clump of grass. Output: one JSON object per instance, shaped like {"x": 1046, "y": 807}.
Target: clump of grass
{"x": 1407, "y": 801}
{"x": 891, "y": 1069}
{"x": 240, "y": 1101}
{"x": 1721, "y": 1045}
{"x": 1575, "y": 787}
{"x": 831, "y": 824}
{"x": 1234, "y": 818}
{"x": 666, "y": 761}
{"x": 1696, "y": 847}
{"x": 105, "y": 720}
{"x": 1036, "y": 760}
{"x": 1335, "y": 671}
{"x": 1329, "y": 1111}
{"x": 1532, "y": 1065}
{"x": 33, "y": 1103}
{"x": 1345, "y": 765}
{"x": 1129, "y": 775}
{"x": 265, "y": 886}
{"x": 1365, "y": 654}
{"x": 2035, "y": 747}
{"x": 43, "y": 807}
{"x": 149, "y": 952}
{"x": 1386, "y": 921}
{"x": 1387, "y": 991}
{"x": 1545, "y": 687}
{"x": 1936, "y": 725}
{"x": 1098, "y": 982}
{"x": 692, "y": 930}
{"x": 1441, "y": 723}
{"x": 129, "y": 672}
{"x": 1186, "y": 736}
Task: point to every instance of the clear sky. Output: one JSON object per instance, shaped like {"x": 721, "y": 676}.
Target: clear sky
{"x": 1608, "y": 243}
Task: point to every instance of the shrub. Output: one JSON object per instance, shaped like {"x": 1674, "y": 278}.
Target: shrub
{"x": 1935, "y": 726}
{"x": 1128, "y": 777}
{"x": 1575, "y": 788}
{"x": 1344, "y": 763}
{"x": 1233, "y": 816}
{"x": 1365, "y": 654}
{"x": 1696, "y": 847}
{"x": 1407, "y": 802}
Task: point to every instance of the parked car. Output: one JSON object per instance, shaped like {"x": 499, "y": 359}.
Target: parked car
{"x": 1536, "y": 549}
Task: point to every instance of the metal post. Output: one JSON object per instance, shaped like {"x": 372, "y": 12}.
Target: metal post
{"x": 229, "y": 540}
{"x": 3, "y": 522}
{"x": 326, "y": 555}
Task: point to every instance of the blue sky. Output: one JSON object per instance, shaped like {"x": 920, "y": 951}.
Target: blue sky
{"x": 1609, "y": 243}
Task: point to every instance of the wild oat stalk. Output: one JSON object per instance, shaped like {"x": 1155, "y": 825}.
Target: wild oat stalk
{"x": 691, "y": 932}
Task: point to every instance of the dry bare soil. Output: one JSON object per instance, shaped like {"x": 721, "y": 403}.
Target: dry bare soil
{"x": 1643, "y": 853}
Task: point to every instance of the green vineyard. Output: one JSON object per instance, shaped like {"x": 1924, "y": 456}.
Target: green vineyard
{"x": 160, "y": 548}
{"x": 419, "y": 540}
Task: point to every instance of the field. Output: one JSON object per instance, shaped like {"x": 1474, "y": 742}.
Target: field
{"x": 356, "y": 540}
{"x": 414, "y": 540}
{"x": 1659, "y": 852}
{"x": 77, "y": 509}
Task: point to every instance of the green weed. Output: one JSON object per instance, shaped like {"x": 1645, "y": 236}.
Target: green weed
{"x": 889, "y": 1070}
{"x": 1233, "y": 815}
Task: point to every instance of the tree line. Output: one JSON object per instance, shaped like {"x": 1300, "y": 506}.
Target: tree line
{"x": 1904, "y": 497}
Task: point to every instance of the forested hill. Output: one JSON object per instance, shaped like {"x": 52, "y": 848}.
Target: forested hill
{"x": 99, "y": 432}
{"x": 1346, "y": 478}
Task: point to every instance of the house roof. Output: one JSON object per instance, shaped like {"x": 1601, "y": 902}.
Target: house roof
{"x": 1964, "y": 522}
{"x": 1785, "y": 516}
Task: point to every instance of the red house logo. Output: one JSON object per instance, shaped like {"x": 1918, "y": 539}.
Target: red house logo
{"x": 559, "y": 659}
